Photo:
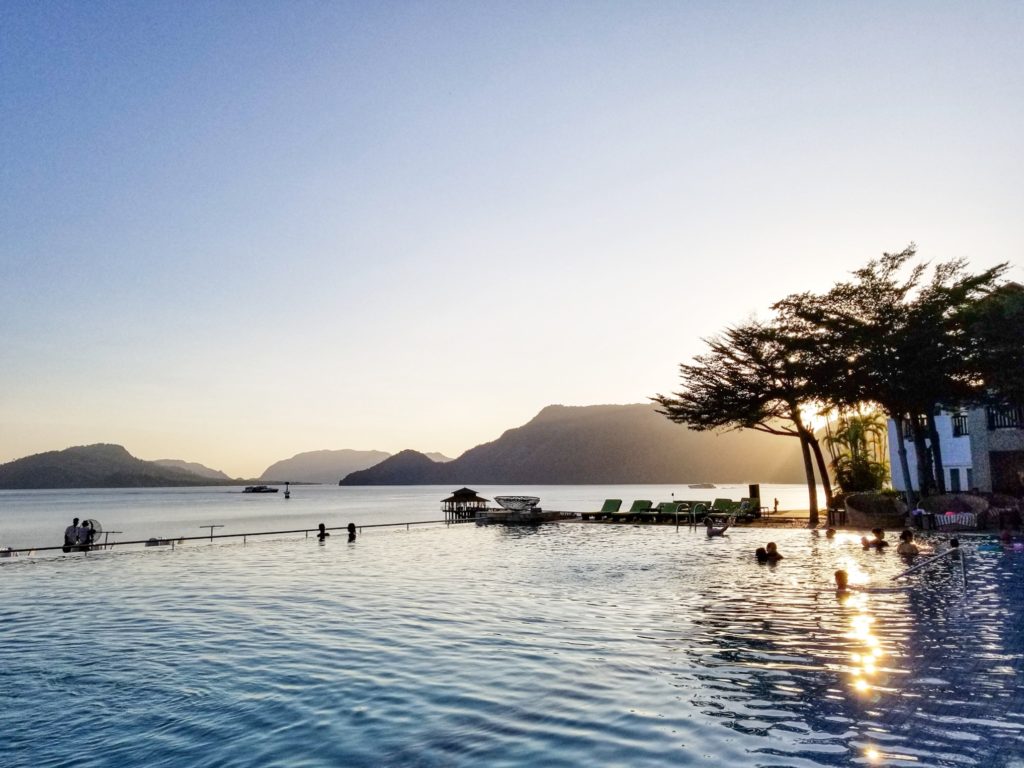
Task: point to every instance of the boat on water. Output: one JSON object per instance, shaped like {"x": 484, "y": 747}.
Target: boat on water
{"x": 702, "y": 485}
{"x": 259, "y": 489}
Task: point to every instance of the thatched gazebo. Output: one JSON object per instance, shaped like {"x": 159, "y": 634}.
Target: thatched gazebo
{"x": 463, "y": 504}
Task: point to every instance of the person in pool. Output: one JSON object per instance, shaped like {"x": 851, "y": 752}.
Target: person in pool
{"x": 773, "y": 552}
{"x": 842, "y": 582}
{"x": 878, "y": 542}
{"x": 323, "y": 534}
{"x": 351, "y": 531}
{"x": 907, "y": 547}
{"x": 761, "y": 554}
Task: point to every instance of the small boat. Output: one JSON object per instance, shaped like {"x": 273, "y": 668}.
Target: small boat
{"x": 517, "y": 503}
{"x": 702, "y": 485}
{"x": 259, "y": 489}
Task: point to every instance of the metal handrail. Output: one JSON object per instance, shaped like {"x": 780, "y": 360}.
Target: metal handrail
{"x": 208, "y": 537}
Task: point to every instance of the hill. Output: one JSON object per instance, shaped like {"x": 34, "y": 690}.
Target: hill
{"x": 321, "y": 466}
{"x": 598, "y": 444}
{"x": 194, "y": 467}
{"x": 94, "y": 466}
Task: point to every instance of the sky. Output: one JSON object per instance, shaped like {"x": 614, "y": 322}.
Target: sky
{"x": 233, "y": 232}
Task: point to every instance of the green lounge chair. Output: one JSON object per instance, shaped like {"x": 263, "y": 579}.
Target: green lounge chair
{"x": 724, "y": 506}
{"x": 697, "y": 511}
{"x": 749, "y": 509}
{"x": 639, "y": 507}
{"x": 610, "y": 506}
{"x": 666, "y": 511}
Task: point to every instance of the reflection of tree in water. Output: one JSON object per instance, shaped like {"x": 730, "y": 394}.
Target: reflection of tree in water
{"x": 794, "y": 672}
{"x": 967, "y": 680}
{"x": 770, "y": 669}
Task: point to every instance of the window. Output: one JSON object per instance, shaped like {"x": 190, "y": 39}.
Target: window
{"x": 960, "y": 428}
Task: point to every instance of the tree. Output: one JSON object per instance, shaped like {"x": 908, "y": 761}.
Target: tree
{"x": 747, "y": 381}
{"x": 889, "y": 338}
{"x": 857, "y": 445}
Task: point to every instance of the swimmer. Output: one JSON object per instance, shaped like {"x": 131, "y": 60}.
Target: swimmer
{"x": 323, "y": 534}
{"x": 1006, "y": 538}
{"x": 761, "y": 554}
{"x": 907, "y": 547}
{"x": 842, "y": 582}
{"x": 773, "y": 552}
{"x": 830, "y": 533}
{"x": 351, "y": 531}
{"x": 878, "y": 542}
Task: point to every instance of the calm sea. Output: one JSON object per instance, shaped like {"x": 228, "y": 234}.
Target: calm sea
{"x": 38, "y": 518}
{"x": 562, "y": 645}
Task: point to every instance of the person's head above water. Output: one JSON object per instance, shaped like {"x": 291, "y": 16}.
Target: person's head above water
{"x": 907, "y": 535}
{"x": 878, "y": 532}
{"x": 842, "y": 580}
{"x": 321, "y": 527}
{"x": 761, "y": 554}
{"x": 772, "y": 547}
{"x": 830, "y": 533}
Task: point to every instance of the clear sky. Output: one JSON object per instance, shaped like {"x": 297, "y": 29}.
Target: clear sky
{"x": 232, "y": 232}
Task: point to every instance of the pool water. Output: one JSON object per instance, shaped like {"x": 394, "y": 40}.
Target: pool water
{"x": 562, "y": 645}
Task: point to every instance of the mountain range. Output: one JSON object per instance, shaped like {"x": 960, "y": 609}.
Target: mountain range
{"x": 98, "y": 466}
{"x": 600, "y": 444}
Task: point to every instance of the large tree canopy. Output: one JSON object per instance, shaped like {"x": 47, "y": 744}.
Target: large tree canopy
{"x": 906, "y": 337}
{"x": 747, "y": 381}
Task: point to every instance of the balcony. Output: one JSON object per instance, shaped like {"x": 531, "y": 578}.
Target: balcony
{"x": 1005, "y": 418}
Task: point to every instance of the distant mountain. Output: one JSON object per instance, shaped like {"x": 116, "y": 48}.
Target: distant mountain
{"x": 94, "y": 466}
{"x": 615, "y": 444}
{"x": 321, "y": 466}
{"x": 440, "y": 458}
{"x": 192, "y": 466}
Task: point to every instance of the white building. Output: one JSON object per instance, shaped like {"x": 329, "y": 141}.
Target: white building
{"x": 982, "y": 448}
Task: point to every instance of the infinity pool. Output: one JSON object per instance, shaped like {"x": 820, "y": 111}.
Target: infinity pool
{"x": 565, "y": 645}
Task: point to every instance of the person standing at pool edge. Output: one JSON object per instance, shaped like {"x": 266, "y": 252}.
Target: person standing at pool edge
{"x": 71, "y": 535}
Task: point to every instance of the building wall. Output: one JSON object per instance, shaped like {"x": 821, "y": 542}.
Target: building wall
{"x": 956, "y": 453}
{"x": 985, "y": 442}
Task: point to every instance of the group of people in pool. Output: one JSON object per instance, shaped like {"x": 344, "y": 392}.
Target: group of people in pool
{"x": 323, "y": 534}
{"x": 907, "y": 548}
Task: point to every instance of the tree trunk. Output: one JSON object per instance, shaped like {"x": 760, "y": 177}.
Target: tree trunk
{"x": 819, "y": 459}
{"x": 925, "y": 478}
{"x": 933, "y": 435}
{"x": 812, "y": 487}
{"x": 901, "y": 451}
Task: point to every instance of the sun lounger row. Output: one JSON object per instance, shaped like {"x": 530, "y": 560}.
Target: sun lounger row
{"x": 642, "y": 510}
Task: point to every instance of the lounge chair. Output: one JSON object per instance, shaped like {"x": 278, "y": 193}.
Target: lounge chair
{"x": 748, "y": 509}
{"x": 610, "y": 506}
{"x": 724, "y": 506}
{"x": 666, "y": 511}
{"x": 639, "y": 507}
{"x": 696, "y": 511}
